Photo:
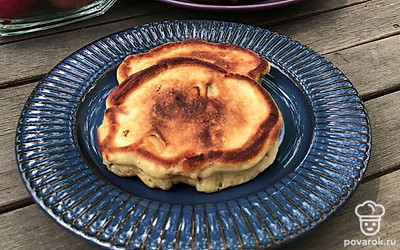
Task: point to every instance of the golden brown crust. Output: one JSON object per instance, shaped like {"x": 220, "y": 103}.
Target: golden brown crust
{"x": 215, "y": 182}
{"x": 203, "y": 116}
{"x": 230, "y": 57}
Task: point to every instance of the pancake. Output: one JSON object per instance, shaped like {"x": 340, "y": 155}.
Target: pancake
{"x": 232, "y": 58}
{"x": 187, "y": 120}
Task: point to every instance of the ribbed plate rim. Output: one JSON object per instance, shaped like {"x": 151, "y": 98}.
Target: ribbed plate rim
{"x": 239, "y": 28}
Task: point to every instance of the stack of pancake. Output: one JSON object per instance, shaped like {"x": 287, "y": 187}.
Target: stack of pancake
{"x": 190, "y": 112}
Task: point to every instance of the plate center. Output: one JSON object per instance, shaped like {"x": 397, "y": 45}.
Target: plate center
{"x": 295, "y": 141}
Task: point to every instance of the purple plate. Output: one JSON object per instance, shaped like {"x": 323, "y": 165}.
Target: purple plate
{"x": 243, "y": 7}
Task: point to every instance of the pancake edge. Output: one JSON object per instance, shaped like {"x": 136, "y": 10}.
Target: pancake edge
{"x": 263, "y": 66}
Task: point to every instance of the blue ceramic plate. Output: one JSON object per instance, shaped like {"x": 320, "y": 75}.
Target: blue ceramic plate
{"x": 324, "y": 149}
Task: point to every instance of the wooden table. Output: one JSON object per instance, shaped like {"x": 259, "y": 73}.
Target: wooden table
{"x": 361, "y": 37}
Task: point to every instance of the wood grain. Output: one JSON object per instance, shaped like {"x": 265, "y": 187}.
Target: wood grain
{"x": 122, "y": 9}
{"x": 345, "y": 225}
{"x": 12, "y": 101}
{"x": 30, "y": 228}
{"x": 385, "y": 122}
{"x": 370, "y": 67}
{"x": 50, "y": 49}
{"x": 344, "y": 28}
{"x": 386, "y": 154}
{"x": 385, "y": 147}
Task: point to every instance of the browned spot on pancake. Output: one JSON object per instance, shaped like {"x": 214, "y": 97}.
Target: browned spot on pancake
{"x": 205, "y": 136}
{"x": 110, "y": 114}
{"x": 176, "y": 104}
{"x": 189, "y": 108}
{"x": 124, "y": 68}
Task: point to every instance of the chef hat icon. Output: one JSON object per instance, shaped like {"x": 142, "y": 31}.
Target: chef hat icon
{"x": 370, "y": 214}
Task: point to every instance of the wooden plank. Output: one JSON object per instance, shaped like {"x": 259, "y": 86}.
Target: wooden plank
{"x": 384, "y": 129}
{"x": 370, "y": 67}
{"x": 344, "y": 28}
{"x": 49, "y": 50}
{"x": 383, "y": 112}
{"x": 11, "y": 102}
{"x": 385, "y": 155}
{"x": 30, "y": 228}
{"x": 345, "y": 225}
{"x": 124, "y": 9}
{"x": 121, "y": 10}
{"x": 385, "y": 122}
